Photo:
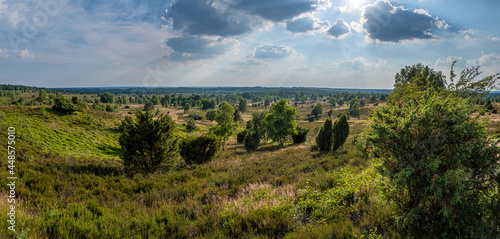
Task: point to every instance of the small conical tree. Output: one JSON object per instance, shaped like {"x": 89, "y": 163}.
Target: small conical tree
{"x": 340, "y": 132}
{"x": 324, "y": 140}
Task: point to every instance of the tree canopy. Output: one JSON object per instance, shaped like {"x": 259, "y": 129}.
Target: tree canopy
{"x": 281, "y": 121}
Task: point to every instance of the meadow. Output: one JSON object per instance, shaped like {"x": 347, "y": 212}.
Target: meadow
{"x": 72, "y": 183}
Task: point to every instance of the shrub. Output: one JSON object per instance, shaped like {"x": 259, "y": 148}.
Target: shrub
{"x": 197, "y": 117}
{"x": 146, "y": 143}
{"x": 191, "y": 125}
{"x": 201, "y": 149}
{"x": 251, "y": 142}
{"x": 112, "y": 108}
{"x": 149, "y": 106}
{"x": 301, "y": 135}
{"x": 240, "y": 137}
{"x": 66, "y": 106}
{"x": 324, "y": 139}
{"x": 211, "y": 114}
{"x": 439, "y": 163}
{"x": 340, "y": 132}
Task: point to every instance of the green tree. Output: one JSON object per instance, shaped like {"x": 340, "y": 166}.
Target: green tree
{"x": 324, "y": 139}
{"x": 191, "y": 125}
{"x": 439, "y": 163}
{"x": 42, "y": 97}
{"x": 242, "y": 106}
{"x": 423, "y": 76}
{"x": 354, "y": 107}
{"x": 317, "y": 110}
{"x": 187, "y": 107}
{"x": 211, "y": 114}
{"x": 340, "y": 132}
{"x": 225, "y": 123}
{"x": 332, "y": 102}
{"x": 201, "y": 149}
{"x": 281, "y": 121}
{"x": 467, "y": 85}
{"x": 258, "y": 125}
{"x": 146, "y": 143}
{"x": 301, "y": 135}
{"x": 107, "y": 97}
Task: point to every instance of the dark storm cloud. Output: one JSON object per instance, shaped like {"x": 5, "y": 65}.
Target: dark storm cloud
{"x": 339, "y": 29}
{"x": 277, "y": 10}
{"x": 386, "y": 23}
{"x": 304, "y": 24}
{"x": 272, "y": 51}
{"x": 196, "y": 47}
{"x": 207, "y": 17}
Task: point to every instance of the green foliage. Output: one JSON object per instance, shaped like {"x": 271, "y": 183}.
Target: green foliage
{"x": 146, "y": 143}
{"x": 317, "y": 110}
{"x": 354, "y": 107}
{"x": 191, "y": 125}
{"x": 107, "y": 97}
{"x": 324, "y": 139}
{"x": 201, "y": 149}
{"x": 281, "y": 121}
{"x": 421, "y": 75}
{"x": 340, "y": 132}
{"x": 187, "y": 107}
{"x": 301, "y": 135}
{"x": 65, "y": 106}
{"x": 251, "y": 142}
{"x": 225, "y": 123}
{"x": 438, "y": 161}
{"x": 240, "y": 137}
{"x": 42, "y": 97}
{"x": 149, "y": 106}
{"x": 211, "y": 114}
{"x": 112, "y": 108}
{"x": 242, "y": 106}
{"x": 467, "y": 85}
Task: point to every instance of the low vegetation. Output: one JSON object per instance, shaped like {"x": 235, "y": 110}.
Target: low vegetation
{"x": 423, "y": 164}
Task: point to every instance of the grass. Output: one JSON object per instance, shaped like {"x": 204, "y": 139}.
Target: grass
{"x": 71, "y": 185}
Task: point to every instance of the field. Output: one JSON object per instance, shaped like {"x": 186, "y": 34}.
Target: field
{"x": 72, "y": 185}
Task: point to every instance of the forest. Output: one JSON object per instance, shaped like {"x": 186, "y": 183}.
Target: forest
{"x": 419, "y": 161}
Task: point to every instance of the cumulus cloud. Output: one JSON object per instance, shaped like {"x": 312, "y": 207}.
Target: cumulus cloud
{"x": 486, "y": 60}
{"x": 25, "y": 54}
{"x": 340, "y": 29}
{"x": 442, "y": 61}
{"x": 280, "y": 10}
{"x": 207, "y": 17}
{"x": 359, "y": 64}
{"x": 199, "y": 47}
{"x": 272, "y": 51}
{"x": 249, "y": 62}
{"x": 306, "y": 24}
{"x": 3, "y": 53}
{"x": 386, "y": 23}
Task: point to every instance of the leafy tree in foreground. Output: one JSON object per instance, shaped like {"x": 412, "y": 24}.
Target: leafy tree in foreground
{"x": 324, "y": 139}
{"x": 191, "y": 125}
{"x": 225, "y": 123}
{"x": 281, "y": 121}
{"x": 340, "y": 132}
{"x": 420, "y": 75}
{"x": 440, "y": 163}
{"x": 201, "y": 149}
{"x": 146, "y": 143}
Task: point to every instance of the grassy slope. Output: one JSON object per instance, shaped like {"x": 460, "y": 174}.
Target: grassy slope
{"x": 71, "y": 186}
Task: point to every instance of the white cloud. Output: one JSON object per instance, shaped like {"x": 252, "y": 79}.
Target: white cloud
{"x": 25, "y": 54}
{"x": 485, "y": 60}
{"x": 359, "y": 64}
{"x": 446, "y": 62}
{"x": 3, "y": 53}
{"x": 340, "y": 29}
{"x": 272, "y": 51}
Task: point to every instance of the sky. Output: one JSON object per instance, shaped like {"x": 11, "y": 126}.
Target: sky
{"x": 288, "y": 43}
